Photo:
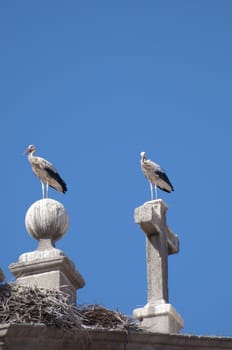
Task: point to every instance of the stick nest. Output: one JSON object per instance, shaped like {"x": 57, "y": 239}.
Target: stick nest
{"x": 33, "y": 305}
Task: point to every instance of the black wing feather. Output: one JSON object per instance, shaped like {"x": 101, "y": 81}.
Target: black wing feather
{"x": 57, "y": 177}
{"x": 161, "y": 173}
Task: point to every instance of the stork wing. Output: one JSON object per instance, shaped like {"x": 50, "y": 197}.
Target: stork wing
{"x": 54, "y": 174}
{"x": 41, "y": 163}
{"x": 162, "y": 175}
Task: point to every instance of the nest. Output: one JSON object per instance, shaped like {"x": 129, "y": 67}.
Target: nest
{"x": 33, "y": 305}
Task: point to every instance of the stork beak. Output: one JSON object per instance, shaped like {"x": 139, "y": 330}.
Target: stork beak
{"x": 26, "y": 151}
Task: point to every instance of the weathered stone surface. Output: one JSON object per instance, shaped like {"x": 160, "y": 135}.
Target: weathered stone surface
{"x": 51, "y": 273}
{"x": 160, "y": 318}
{"x": 158, "y": 315}
{"x": 39, "y": 337}
{"x": 151, "y": 217}
{"x": 47, "y": 218}
{"x": 47, "y": 267}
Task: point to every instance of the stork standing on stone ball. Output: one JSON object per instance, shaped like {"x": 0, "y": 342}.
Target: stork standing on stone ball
{"x": 155, "y": 175}
{"x": 45, "y": 171}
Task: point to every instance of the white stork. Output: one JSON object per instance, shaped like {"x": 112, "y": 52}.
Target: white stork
{"x": 155, "y": 175}
{"x": 45, "y": 172}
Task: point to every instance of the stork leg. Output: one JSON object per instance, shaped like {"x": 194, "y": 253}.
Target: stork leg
{"x": 155, "y": 191}
{"x": 42, "y": 184}
{"x": 46, "y": 190}
{"x": 151, "y": 188}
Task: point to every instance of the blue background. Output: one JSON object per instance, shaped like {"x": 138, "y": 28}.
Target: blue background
{"x": 94, "y": 83}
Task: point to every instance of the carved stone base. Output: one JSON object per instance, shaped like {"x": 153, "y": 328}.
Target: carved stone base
{"x": 50, "y": 269}
{"x": 161, "y": 318}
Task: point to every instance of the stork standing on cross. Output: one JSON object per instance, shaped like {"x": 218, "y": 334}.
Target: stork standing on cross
{"x": 155, "y": 175}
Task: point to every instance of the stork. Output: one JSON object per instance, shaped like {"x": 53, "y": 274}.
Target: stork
{"x": 45, "y": 171}
{"x": 155, "y": 175}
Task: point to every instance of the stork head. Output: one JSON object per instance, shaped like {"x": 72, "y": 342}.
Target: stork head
{"x": 30, "y": 149}
{"x": 143, "y": 155}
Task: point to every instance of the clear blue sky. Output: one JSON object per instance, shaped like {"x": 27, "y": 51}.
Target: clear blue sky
{"x": 94, "y": 83}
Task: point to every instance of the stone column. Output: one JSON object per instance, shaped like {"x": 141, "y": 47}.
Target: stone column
{"x": 157, "y": 315}
{"x": 47, "y": 267}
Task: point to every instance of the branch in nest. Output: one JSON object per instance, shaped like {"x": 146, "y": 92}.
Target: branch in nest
{"x": 24, "y": 304}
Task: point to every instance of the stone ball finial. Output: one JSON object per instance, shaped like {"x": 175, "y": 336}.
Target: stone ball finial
{"x": 47, "y": 218}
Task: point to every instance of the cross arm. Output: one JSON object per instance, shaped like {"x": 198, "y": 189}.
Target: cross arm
{"x": 151, "y": 217}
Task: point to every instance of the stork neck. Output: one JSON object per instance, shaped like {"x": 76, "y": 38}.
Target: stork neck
{"x": 144, "y": 158}
{"x": 31, "y": 155}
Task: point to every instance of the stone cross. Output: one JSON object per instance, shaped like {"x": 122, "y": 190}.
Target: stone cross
{"x": 157, "y": 315}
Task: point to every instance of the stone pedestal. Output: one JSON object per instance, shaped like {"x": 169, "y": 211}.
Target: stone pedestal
{"x": 47, "y": 267}
{"x": 157, "y": 315}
